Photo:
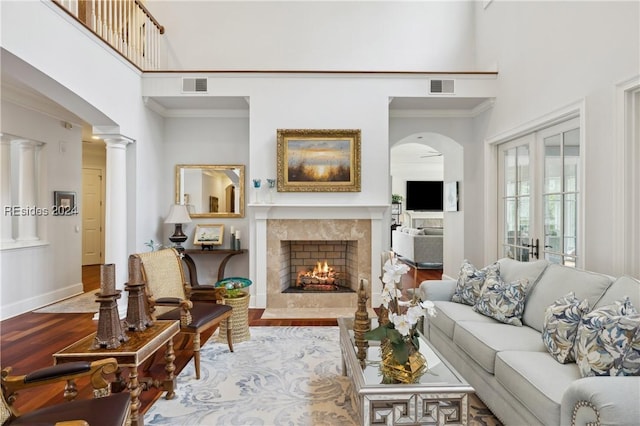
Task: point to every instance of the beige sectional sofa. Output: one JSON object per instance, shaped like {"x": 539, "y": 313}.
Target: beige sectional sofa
{"x": 511, "y": 368}
{"x": 418, "y": 247}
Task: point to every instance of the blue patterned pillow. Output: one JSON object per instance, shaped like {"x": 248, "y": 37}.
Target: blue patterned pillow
{"x": 470, "y": 282}
{"x": 608, "y": 341}
{"x": 502, "y": 301}
{"x": 561, "y": 321}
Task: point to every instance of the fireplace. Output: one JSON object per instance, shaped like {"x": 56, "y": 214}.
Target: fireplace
{"x": 276, "y": 227}
{"x": 318, "y": 265}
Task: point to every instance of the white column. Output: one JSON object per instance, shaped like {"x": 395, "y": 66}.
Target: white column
{"x": 27, "y": 188}
{"x": 6, "y": 223}
{"x": 116, "y": 208}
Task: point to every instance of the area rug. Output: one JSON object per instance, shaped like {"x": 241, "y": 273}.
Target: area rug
{"x": 82, "y": 303}
{"x": 282, "y": 376}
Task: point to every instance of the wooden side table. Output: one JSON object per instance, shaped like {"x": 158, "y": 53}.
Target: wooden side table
{"x": 239, "y": 320}
{"x": 191, "y": 265}
{"x": 132, "y": 354}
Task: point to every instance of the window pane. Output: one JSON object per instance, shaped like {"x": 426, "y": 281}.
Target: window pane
{"x": 570, "y": 223}
{"x": 571, "y": 160}
{"x": 553, "y": 222}
{"x": 523, "y": 217}
{"x": 510, "y": 221}
{"x": 510, "y": 172}
{"x": 523, "y": 171}
{"x": 552, "y": 164}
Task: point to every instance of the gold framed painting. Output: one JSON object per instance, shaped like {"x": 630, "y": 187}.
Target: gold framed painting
{"x": 318, "y": 160}
{"x": 208, "y": 235}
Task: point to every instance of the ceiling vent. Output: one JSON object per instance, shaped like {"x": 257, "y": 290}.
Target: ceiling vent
{"x": 194, "y": 85}
{"x": 441, "y": 87}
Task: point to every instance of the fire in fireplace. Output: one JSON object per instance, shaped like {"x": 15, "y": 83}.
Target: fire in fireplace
{"x": 321, "y": 278}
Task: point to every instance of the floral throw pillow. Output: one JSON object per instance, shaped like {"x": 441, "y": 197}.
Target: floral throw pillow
{"x": 470, "y": 282}
{"x": 608, "y": 341}
{"x": 561, "y": 321}
{"x": 502, "y": 301}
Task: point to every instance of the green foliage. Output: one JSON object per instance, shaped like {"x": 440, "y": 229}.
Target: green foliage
{"x": 396, "y": 198}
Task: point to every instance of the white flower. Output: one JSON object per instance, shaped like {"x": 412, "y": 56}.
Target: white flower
{"x": 393, "y": 271}
{"x": 414, "y": 313}
{"x": 401, "y": 324}
{"x": 429, "y": 307}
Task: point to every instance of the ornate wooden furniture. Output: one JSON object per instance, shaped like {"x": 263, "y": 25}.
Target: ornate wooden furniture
{"x": 169, "y": 298}
{"x": 139, "y": 347}
{"x": 103, "y": 410}
{"x": 191, "y": 265}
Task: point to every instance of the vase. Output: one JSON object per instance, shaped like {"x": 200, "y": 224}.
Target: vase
{"x": 394, "y": 372}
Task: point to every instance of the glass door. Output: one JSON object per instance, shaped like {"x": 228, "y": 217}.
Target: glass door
{"x": 539, "y": 186}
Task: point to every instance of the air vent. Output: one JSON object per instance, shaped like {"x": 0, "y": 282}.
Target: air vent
{"x": 441, "y": 86}
{"x": 194, "y": 85}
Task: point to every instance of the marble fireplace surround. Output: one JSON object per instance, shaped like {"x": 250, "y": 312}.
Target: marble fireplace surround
{"x": 274, "y": 223}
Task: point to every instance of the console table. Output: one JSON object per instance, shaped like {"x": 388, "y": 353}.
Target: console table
{"x": 191, "y": 265}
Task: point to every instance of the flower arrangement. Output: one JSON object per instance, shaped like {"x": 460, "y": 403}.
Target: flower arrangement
{"x": 400, "y": 330}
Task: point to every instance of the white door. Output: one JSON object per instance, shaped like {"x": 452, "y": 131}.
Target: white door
{"x": 92, "y": 238}
{"x": 539, "y": 187}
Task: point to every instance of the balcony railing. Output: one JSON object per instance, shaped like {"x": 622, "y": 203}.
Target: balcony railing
{"x": 126, "y": 25}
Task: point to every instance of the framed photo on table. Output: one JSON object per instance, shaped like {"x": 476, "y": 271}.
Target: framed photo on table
{"x": 318, "y": 160}
{"x": 208, "y": 235}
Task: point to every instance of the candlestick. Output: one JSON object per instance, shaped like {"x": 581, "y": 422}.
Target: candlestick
{"x": 108, "y": 279}
{"x": 237, "y": 235}
{"x": 135, "y": 270}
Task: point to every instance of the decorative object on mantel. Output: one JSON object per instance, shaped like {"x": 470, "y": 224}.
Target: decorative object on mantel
{"x": 238, "y": 299}
{"x": 137, "y": 316}
{"x": 271, "y": 184}
{"x": 110, "y": 334}
{"x": 178, "y": 215}
{"x": 401, "y": 360}
{"x": 257, "y": 183}
{"x": 362, "y": 323}
{"x": 318, "y": 160}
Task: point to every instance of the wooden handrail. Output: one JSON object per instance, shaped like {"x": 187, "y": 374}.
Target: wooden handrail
{"x": 125, "y": 25}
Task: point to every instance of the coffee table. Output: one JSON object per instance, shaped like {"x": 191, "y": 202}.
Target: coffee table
{"x": 441, "y": 397}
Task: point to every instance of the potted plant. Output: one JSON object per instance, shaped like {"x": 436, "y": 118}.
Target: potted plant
{"x": 396, "y": 199}
{"x": 238, "y": 299}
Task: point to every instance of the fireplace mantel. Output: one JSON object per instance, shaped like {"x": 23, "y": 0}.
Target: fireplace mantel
{"x": 261, "y": 213}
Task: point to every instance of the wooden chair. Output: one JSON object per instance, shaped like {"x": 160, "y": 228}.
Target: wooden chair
{"x": 103, "y": 410}
{"x": 169, "y": 297}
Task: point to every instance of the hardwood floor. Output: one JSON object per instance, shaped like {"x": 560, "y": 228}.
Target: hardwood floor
{"x": 28, "y": 341}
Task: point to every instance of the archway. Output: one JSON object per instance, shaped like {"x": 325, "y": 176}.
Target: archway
{"x": 451, "y": 163}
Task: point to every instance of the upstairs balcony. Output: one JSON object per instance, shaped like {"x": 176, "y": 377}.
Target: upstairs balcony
{"x": 125, "y": 25}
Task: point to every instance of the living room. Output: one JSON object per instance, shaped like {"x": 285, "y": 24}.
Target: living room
{"x": 518, "y": 68}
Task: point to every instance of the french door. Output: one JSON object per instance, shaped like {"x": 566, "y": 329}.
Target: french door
{"x": 540, "y": 176}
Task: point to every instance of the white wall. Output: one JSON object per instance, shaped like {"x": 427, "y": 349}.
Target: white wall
{"x": 552, "y": 54}
{"x": 34, "y": 276}
{"x": 317, "y": 35}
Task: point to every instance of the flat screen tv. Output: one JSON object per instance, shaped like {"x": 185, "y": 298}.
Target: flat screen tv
{"x": 424, "y": 195}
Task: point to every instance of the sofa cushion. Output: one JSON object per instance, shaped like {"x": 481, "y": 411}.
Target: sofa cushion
{"x": 512, "y": 270}
{"x": 433, "y": 231}
{"x": 503, "y": 301}
{"x": 608, "y": 341}
{"x": 560, "y": 327}
{"x": 448, "y": 313}
{"x": 555, "y": 282}
{"x": 470, "y": 282}
{"x": 536, "y": 380}
{"x": 483, "y": 340}
{"x": 621, "y": 288}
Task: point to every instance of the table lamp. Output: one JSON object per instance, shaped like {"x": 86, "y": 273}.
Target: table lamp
{"x": 178, "y": 215}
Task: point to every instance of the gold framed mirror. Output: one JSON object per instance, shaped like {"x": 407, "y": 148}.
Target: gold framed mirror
{"x": 211, "y": 190}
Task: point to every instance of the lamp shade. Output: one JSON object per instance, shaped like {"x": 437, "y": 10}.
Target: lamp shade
{"x": 178, "y": 214}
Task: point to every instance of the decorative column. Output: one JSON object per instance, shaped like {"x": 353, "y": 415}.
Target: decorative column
{"x": 27, "y": 188}
{"x": 6, "y": 223}
{"x": 116, "y": 207}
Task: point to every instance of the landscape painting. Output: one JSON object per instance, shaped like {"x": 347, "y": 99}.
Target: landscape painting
{"x": 318, "y": 160}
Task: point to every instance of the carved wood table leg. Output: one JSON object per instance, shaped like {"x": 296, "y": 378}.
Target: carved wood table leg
{"x": 134, "y": 390}
{"x": 170, "y": 382}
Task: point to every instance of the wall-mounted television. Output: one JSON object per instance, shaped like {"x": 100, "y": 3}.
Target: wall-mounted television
{"x": 424, "y": 195}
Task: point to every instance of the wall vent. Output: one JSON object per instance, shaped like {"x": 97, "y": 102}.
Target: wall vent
{"x": 194, "y": 85}
{"x": 441, "y": 86}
